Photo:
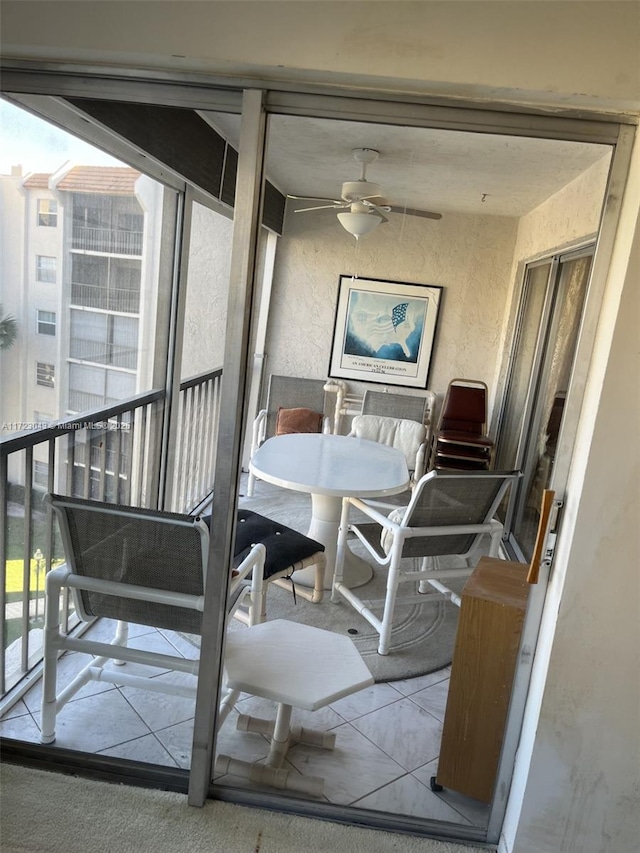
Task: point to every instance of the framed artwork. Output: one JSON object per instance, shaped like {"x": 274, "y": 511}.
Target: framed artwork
{"x": 384, "y": 331}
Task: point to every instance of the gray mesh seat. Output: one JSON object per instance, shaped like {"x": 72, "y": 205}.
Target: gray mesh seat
{"x": 447, "y": 515}
{"x": 132, "y": 565}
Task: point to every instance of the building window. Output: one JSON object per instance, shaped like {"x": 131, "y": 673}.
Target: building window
{"x": 46, "y": 323}
{"x": 47, "y": 212}
{"x": 45, "y": 374}
{"x": 45, "y": 269}
{"x": 40, "y": 474}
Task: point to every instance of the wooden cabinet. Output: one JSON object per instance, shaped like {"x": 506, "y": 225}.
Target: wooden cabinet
{"x": 494, "y": 601}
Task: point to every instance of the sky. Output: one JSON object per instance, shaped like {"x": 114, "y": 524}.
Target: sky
{"x": 41, "y": 147}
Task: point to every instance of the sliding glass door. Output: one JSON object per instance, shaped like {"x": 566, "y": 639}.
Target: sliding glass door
{"x": 544, "y": 349}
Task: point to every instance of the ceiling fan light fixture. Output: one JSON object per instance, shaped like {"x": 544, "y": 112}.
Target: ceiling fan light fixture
{"x": 359, "y": 224}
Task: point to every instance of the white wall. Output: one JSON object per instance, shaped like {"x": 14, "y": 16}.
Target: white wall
{"x": 581, "y": 790}
{"x": 469, "y": 256}
{"x": 207, "y": 292}
{"x": 526, "y": 50}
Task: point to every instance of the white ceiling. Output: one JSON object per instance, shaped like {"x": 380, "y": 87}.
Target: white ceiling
{"x": 438, "y": 170}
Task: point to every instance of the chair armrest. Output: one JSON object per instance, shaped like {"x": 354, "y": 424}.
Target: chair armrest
{"x": 421, "y": 457}
{"x": 259, "y": 430}
{"x": 373, "y": 513}
{"x": 253, "y": 564}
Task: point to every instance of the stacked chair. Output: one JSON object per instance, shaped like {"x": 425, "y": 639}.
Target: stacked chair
{"x": 460, "y": 441}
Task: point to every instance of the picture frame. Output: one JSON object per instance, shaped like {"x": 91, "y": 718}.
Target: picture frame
{"x": 384, "y": 331}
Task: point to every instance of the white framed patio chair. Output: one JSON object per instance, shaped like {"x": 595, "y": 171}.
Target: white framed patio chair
{"x": 403, "y": 434}
{"x": 296, "y": 404}
{"x": 132, "y": 565}
{"x": 149, "y": 567}
{"x": 412, "y": 407}
{"x": 447, "y": 514}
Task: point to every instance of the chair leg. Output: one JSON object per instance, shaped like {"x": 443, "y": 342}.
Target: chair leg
{"x": 389, "y": 602}
{"x": 282, "y": 735}
{"x": 341, "y": 550}
{"x": 50, "y": 671}
{"x": 251, "y": 482}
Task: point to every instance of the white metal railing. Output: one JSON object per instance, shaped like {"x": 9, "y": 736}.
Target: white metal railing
{"x": 106, "y": 297}
{"x": 109, "y": 454}
{"x": 107, "y": 240}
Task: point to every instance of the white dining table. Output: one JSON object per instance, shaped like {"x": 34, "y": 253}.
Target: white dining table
{"x": 329, "y": 468}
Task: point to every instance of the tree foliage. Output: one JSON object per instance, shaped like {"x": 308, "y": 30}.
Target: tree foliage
{"x": 8, "y": 329}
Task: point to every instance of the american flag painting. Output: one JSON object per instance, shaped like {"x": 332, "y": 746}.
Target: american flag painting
{"x": 381, "y": 327}
{"x": 399, "y": 314}
{"x": 384, "y": 331}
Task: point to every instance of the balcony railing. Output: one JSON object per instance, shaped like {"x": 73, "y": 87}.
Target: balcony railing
{"x": 111, "y": 454}
{"x": 107, "y": 240}
{"x": 102, "y": 352}
{"x": 121, "y": 299}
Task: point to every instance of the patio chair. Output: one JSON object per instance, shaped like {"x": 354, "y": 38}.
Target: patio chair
{"x": 413, "y": 407}
{"x": 460, "y": 440}
{"x": 447, "y": 515}
{"x": 131, "y": 565}
{"x": 294, "y": 405}
{"x": 409, "y": 436}
{"x": 287, "y": 551}
{"x": 148, "y": 567}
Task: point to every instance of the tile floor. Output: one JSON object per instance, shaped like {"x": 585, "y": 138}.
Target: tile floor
{"x": 388, "y": 736}
{"x": 387, "y": 745}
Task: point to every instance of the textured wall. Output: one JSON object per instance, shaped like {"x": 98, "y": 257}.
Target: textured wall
{"x": 470, "y": 257}
{"x": 207, "y": 292}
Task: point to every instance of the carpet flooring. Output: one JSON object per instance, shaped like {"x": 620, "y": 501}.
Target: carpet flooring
{"x": 45, "y": 812}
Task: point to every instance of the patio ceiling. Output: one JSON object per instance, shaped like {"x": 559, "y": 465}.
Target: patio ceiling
{"x": 438, "y": 170}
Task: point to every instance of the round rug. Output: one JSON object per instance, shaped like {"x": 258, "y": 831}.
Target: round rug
{"x": 422, "y": 637}
{"x": 423, "y": 634}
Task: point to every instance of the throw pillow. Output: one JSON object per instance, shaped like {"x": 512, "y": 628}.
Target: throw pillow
{"x": 291, "y": 421}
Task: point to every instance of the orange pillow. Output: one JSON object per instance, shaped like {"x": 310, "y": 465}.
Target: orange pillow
{"x": 298, "y": 420}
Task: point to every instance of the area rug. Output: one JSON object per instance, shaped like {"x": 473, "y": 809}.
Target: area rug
{"x": 423, "y": 635}
{"x": 422, "y": 638}
{"x": 52, "y": 813}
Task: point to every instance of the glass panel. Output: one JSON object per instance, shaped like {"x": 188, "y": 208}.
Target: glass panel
{"x": 547, "y": 421}
{"x": 105, "y": 256}
{"x": 205, "y": 321}
{"x": 535, "y": 289}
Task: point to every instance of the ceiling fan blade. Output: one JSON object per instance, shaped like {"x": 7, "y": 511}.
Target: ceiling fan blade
{"x": 322, "y": 207}
{"x": 378, "y": 210}
{"x": 412, "y": 211}
{"x": 315, "y": 198}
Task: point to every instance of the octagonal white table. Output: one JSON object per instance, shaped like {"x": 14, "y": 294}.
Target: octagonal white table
{"x": 297, "y": 666}
{"x": 330, "y": 467}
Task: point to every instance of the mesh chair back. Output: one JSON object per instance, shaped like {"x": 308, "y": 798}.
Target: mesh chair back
{"x": 441, "y": 500}
{"x": 135, "y": 546}
{"x": 409, "y": 407}
{"x": 291, "y": 392}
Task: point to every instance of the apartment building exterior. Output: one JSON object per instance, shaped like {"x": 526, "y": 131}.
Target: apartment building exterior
{"x": 79, "y": 275}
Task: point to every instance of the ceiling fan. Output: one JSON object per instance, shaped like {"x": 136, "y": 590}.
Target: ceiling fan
{"x": 362, "y": 201}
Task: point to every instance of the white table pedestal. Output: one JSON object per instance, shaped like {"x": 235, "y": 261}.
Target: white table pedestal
{"x": 325, "y": 520}
{"x": 330, "y": 467}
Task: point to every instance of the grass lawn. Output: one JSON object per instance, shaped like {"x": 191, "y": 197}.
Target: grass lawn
{"x": 14, "y": 576}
